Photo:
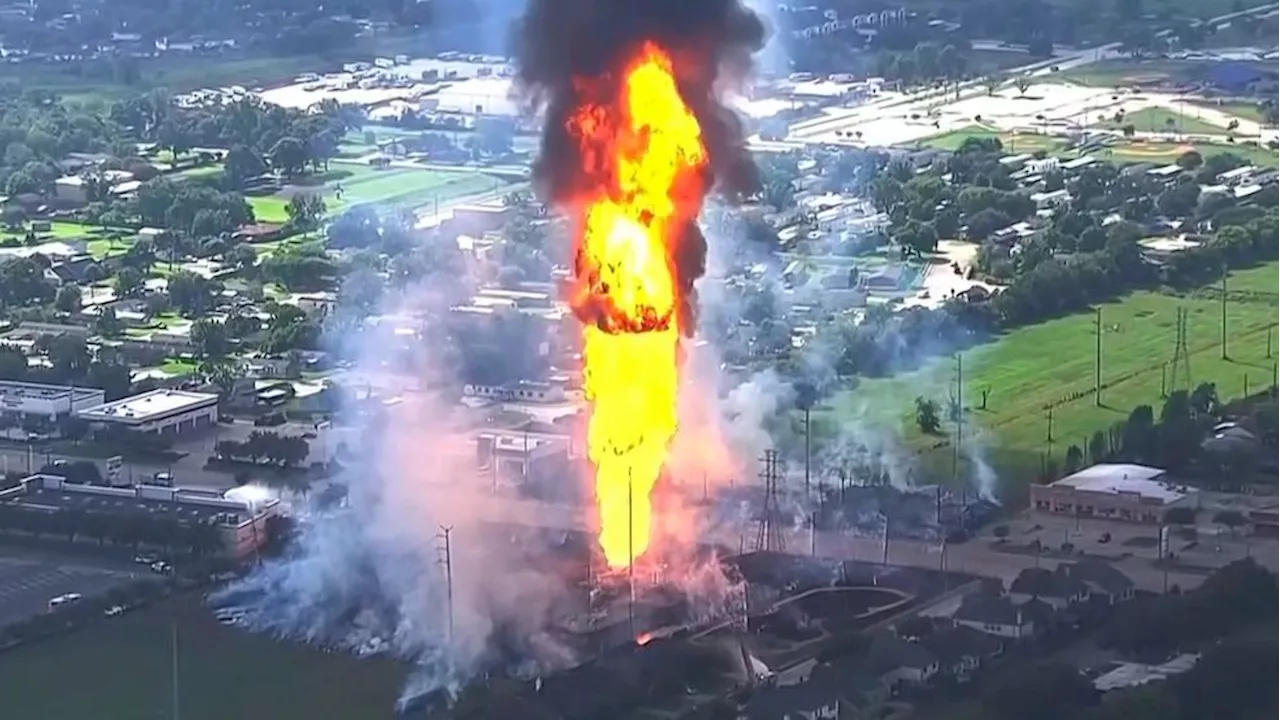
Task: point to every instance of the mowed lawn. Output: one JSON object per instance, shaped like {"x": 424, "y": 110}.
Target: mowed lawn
{"x": 396, "y": 186}
{"x": 1033, "y": 367}
{"x": 121, "y": 669}
{"x": 1122, "y": 151}
{"x": 1163, "y": 120}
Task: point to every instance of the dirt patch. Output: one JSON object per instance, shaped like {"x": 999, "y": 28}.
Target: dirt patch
{"x": 1156, "y": 151}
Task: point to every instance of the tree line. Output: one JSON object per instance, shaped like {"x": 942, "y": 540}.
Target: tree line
{"x": 272, "y": 448}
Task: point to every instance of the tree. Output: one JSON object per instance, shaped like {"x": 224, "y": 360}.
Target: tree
{"x": 305, "y": 211}
{"x": 1074, "y": 459}
{"x": 242, "y": 164}
{"x": 1022, "y": 83}
{"x": 1046, "y": 691}
{"x": 1230, "y": 519}
{"x": 107, "y": 324}
{"x": 190, "y": 293}
{"x": 69, "y": 356}
{"x": 1181, "y": 516}
{"x": 1098, "y": 449}
{"x": 927, "y": 416}
{"x": 129, "y": 282}
{"x": 209, "y": 338}
{"x": 289, "y": 156}
{"x": 68, "y": 299}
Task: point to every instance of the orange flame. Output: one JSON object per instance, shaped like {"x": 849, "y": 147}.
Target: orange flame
{"x": 642, "y": 150}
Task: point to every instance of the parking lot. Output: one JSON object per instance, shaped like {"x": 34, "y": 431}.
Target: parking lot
{"x": 1211, "y": 547}
{"x": 28, "y": 583}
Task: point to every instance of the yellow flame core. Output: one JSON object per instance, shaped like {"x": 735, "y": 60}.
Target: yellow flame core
{"x": 648, "y": 146}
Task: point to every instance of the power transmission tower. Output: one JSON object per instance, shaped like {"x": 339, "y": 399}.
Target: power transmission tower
{"x": 769, "y": 524}
{"x": 446, "y": 560}
{"x": 1181, "y": 365}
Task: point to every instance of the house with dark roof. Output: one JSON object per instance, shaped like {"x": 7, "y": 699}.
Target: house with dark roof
{"x": 999, "y": 615}
{"x": 1105, "y": 582}
{"x": 1056, "y": 588}
{"x": 817, "y": 699}
{"x": 897, "y": 662}
{"x": 961, "y": 650}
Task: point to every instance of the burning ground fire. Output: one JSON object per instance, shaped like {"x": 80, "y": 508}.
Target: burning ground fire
{"x": 643, "y": 147}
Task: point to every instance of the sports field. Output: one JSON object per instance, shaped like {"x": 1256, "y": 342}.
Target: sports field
{"x": 1121, "y": 151}
{"x": 1163, "y": 120}
{"x": 1053, "y": 362}
{"x": 122, "y": 669}
{"x": 405, "y": 187}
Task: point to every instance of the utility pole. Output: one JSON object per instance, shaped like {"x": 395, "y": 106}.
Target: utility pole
{"x": 813, "y": 533}
{"x": 1049, "y": 431}
{"x": 446, "y": 560}
{"x": 806, "y": 451}
{"x": 1097, "y": 357}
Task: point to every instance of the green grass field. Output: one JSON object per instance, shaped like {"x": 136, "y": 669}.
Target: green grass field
{"x": 1122, "y": 151}
{"x": 403, "y": 187}
{"x": 1157, "y": 120}
{"x": 1013, "y": 143}
{"x": 121, "y": 669}
{"x": 1242, "y": 110}
{"x": 1128, "y": 73}
{"x": 1035, "y": 366}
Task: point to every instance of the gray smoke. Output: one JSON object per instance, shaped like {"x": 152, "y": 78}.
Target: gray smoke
{"x": 367, "y": 574}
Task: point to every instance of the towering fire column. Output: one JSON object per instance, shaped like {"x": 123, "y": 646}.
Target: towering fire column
{"x": 635, "y": 136}
{"x": 638, "y": 137}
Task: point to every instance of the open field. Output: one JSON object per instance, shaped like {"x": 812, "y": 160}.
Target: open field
{"x": 1123, "y": 72}
{"x": 120, "y": 669}
{"x": 1121, "y": 151}
{"x": 1246, "y": 110}
{"x": 1036, "y": 366}
{"x": 1163, "y": 120}
{"x": 92, "y": 80}
{"x": 396, "y": 186}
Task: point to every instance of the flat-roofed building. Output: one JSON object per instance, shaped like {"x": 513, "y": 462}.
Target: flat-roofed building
{"x": 1113, "y": 491}
{"x": 241, "y": 524}
{"x": 165, "y": 412}
{"x": 48, "y": 402}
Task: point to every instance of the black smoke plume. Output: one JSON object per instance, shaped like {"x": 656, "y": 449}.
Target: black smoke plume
{"x": 560, "y": 40}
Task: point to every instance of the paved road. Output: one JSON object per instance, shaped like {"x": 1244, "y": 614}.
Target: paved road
{"x": 976, "y": 557}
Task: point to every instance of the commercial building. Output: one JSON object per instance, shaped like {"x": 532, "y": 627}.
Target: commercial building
{"x": 1113, "y": 491}
{"x": 511, "y": 454}
{"x": 241, "y": 523}
{"x": 166, "y": 412}
{"x": 47, "y": 402}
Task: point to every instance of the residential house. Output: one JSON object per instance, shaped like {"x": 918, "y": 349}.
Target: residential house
{"x": 1056, "y": 588}
{"x": 812, "y": 700}
{"x": 1051, "y": 200}
{"x": 961, "y": 650}
{"x": 897, "y": 662}
{"x": 999, "y": 615}
{"x": 76, "y": 270}
{"x": 1106, "y": 583}
{"x": 862, "y": 696}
